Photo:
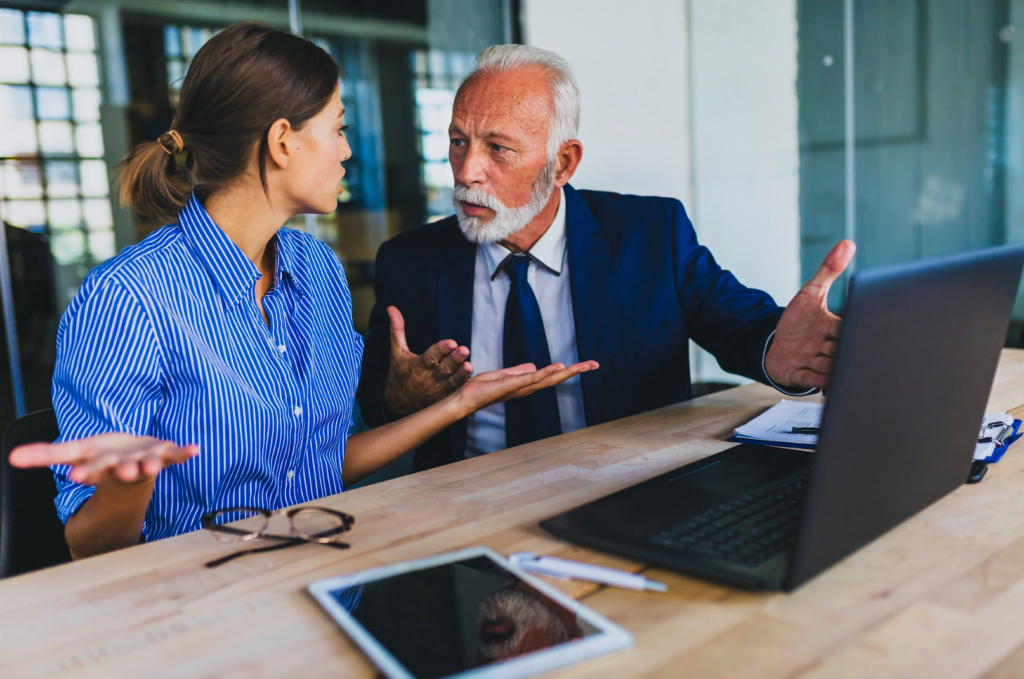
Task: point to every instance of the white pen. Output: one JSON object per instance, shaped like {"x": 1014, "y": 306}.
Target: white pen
{"x": 564, "y": 569}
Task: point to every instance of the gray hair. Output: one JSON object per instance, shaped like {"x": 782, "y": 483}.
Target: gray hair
{"x": 565, "y": 93}
{"x": 506, "y": 616}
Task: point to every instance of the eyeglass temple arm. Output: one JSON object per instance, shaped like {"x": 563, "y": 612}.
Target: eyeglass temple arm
{"x": 284, "y": 545}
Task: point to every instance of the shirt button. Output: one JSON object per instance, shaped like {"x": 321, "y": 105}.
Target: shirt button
{"x": 281, "y": 348}
{"x": 297, "y": 411}
{"x": 290, "y": 474}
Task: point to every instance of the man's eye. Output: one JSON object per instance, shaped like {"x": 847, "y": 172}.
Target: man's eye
{"x": 497, "y": 148}
{"x": 457, "y": 143}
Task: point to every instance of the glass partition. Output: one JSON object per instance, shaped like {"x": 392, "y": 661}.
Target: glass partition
{"x": 908, "y": 128}
{"x": 81, "y": 86}
{"x": 936, "y": 105}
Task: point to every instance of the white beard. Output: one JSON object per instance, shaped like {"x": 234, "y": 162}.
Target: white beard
{"x": 506, "y": 220}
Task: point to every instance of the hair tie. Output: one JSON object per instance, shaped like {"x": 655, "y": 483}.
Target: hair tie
{"x": 173, "y": 135}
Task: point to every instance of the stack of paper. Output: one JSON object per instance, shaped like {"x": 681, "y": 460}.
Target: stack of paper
{"x": 774, "y": 426}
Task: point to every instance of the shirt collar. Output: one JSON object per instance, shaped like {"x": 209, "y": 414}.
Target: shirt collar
{"x": 287, "y": 259}
{"x": 548, "y": 251}
{"x": 232, "y": 272}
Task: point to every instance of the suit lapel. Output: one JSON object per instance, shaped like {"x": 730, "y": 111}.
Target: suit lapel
{"x": 455, "y": 310}
{"x": 588, "y": 282}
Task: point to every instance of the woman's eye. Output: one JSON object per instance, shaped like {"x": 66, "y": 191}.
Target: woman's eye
{"x": 341, "y": 130}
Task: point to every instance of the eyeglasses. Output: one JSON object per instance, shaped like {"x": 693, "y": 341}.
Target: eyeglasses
{"x": 306, "y": 524}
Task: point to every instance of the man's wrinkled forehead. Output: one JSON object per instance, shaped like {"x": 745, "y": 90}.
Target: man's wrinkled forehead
{"x": 520, "y": 97}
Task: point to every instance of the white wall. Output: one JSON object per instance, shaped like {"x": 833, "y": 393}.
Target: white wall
{"x": 694, "y": 99}
{"x": 630, "y": 58}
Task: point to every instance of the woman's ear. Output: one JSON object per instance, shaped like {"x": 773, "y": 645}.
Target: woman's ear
{"x": 281, "y": 142}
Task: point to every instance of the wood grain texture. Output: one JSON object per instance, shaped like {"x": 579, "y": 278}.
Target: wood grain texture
{"x": 939, "y": 596}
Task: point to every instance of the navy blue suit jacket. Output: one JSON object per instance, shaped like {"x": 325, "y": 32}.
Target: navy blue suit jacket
{"x": 641, "y": 287}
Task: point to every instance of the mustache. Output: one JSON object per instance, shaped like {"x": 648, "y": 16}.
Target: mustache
{"x": 477, "y": 196}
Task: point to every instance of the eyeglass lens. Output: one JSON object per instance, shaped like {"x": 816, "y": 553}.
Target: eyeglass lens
{"x": 245, "y": 524}
{"x": 318, "y": 526}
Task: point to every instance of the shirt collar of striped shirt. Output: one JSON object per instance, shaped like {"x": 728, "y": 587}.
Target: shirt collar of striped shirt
{"x": 232, "y": 272}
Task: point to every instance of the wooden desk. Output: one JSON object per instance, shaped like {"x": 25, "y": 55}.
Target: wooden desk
{"x": 940, "y": 596}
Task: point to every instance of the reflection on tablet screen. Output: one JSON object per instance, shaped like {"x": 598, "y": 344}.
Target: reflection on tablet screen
{"x": 457, "y": 616}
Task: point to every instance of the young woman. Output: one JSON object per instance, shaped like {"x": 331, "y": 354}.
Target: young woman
{"x": 214, "y": 364}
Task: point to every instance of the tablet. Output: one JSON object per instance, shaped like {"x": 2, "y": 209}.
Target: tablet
{"x": 464, "y": 614}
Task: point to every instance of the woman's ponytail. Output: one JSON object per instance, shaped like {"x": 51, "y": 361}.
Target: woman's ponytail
{"x": 152, "y": 185}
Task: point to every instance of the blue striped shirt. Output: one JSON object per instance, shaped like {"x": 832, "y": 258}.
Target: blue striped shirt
{"x": 166, "y": 340}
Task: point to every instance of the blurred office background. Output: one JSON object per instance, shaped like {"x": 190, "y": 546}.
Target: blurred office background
{"x": 783, "y": 126}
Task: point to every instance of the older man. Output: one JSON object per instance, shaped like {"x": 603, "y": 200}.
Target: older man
{"x": 530, "y": 270}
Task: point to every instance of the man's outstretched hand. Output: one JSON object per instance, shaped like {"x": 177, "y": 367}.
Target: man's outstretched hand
{"x": 415, "y": 382}
{"x": 804, "y": 345}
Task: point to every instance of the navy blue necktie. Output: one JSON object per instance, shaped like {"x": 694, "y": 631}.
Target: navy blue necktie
{"x": 532, "y": 417}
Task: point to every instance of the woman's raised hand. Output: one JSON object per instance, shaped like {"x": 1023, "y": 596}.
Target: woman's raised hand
{"x": 114, "y": 456}
{"x": 496, "y": 386}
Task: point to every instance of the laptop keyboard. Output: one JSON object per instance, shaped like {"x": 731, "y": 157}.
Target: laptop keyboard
{"x": 747, "y": 530}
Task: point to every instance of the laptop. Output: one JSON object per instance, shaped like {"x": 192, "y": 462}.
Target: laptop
{"x": 913, "y": 370}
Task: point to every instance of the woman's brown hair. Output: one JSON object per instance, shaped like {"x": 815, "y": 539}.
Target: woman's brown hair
{"x": 239, "y": 83}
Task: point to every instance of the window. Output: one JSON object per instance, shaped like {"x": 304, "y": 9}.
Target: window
{"x": 53, "y": 178}
{"x": 180, "y": 46}
{"x": 437, "y": 76}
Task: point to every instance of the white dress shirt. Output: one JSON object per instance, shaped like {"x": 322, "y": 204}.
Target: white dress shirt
{"x": 486, "y": 432}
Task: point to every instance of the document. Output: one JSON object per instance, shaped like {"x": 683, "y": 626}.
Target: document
{"x": 776, "y": 424}
{"x": 775, "y": 427}
{"x": 990, "y": 428}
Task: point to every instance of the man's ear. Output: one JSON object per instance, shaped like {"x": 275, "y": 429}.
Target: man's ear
{"x": 281, "y": 142}
{"x": 569, "y": 157}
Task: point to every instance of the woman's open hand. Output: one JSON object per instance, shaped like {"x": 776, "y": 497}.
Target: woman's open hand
{"x": 104, "y": 457}
{"x": 496, "y": 386}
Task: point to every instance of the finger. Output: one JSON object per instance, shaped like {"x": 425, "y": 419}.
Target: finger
{"x": 33, "y": 455}
{"x": 151, "y": 461}
{"x": 84, "y": 476}
{"x": 432, "y": 357}
{"x": 521, "y": 369}
{"x": 808, "y": 379}
{"x": 127, "y": 470}
{"x": 173, "y": 454}
{"x": 828, "y": 349}
{"x": 154, "y": 461}
{"x": 831, "y": 268}
{"x": 819, "y": 364}
{"x": 590, "y": 365}
{"x": 81, "y": 450}
{"x": 92, "y": 470}
{"x": 449, "y": 365}
{"x": 556, "y": 374}
{"x": 45, "y": 454}
{"x": 397, "y": 331}
{"x": 574, "y": 369}
{"x": 461, "y": 375}
{"x": 833, "y": 326}
{"x": 151, "y": 465}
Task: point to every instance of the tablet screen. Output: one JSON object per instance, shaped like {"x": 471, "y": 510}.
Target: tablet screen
{"x": 454, "y": 617}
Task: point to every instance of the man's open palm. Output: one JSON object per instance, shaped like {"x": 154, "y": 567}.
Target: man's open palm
{"x": 804, "y": 345}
